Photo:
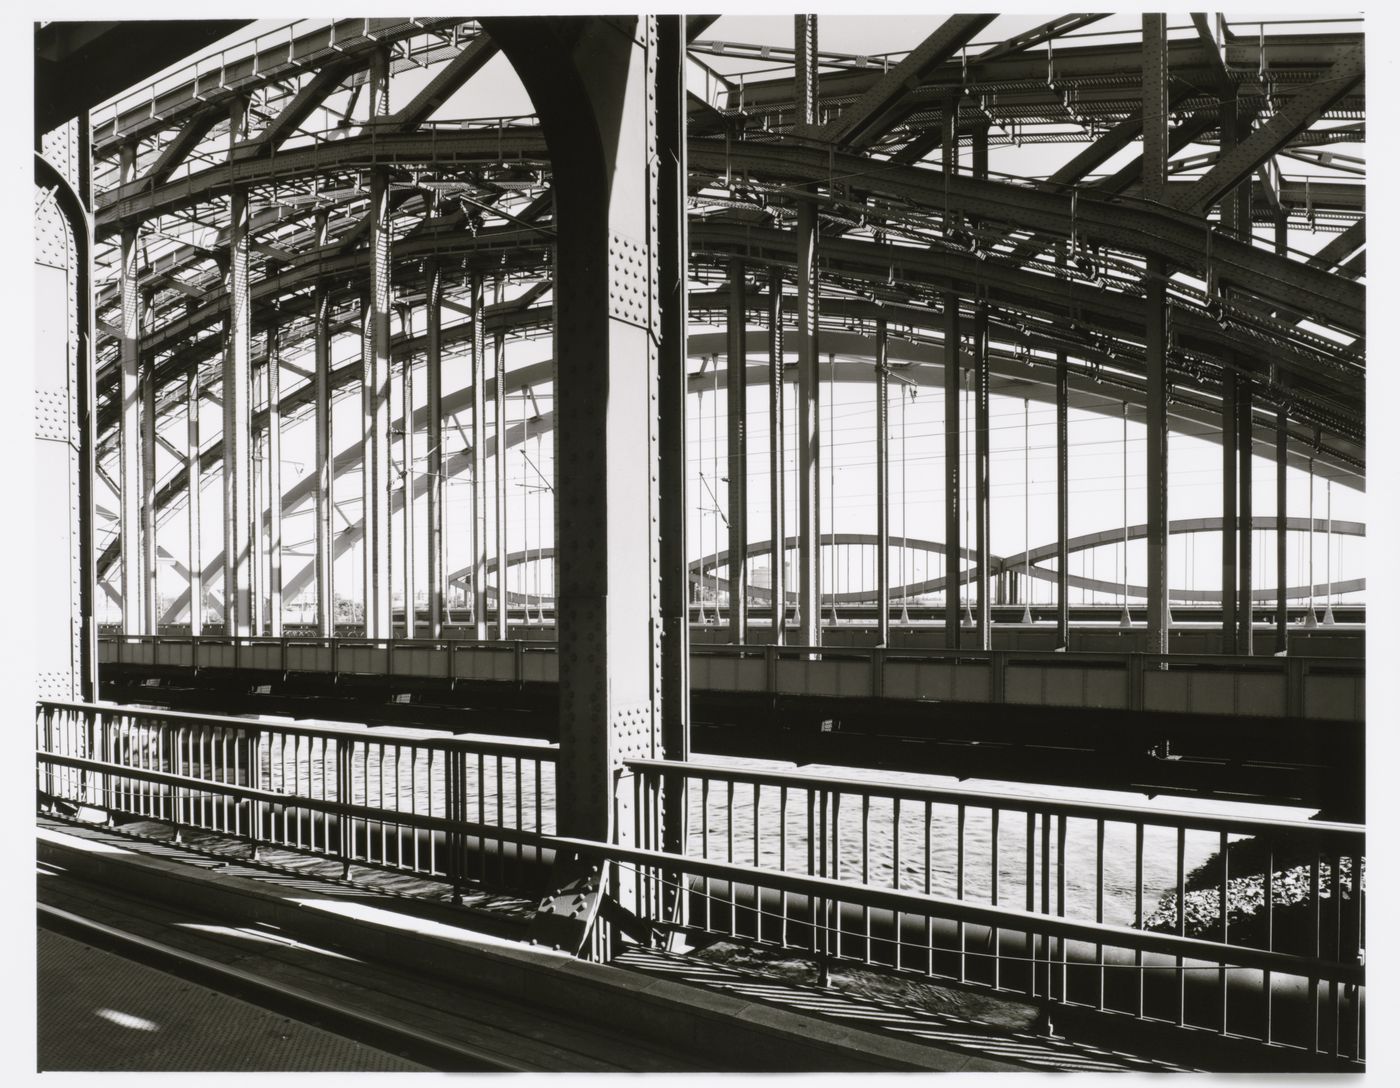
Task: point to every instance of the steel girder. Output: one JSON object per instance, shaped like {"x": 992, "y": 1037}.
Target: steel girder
{"x": 1174, "y": 237}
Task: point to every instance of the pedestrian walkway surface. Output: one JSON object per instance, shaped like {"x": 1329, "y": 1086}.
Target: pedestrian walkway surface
{"x": 100, "y": 1011}
{"x": 466, "y": 975}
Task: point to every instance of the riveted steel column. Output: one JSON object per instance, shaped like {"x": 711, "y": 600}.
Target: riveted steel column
{"x": 410, "y": 617}
{"x": 274, "y": 482}
{"x": 129, "y": 385}
{"x": 1245, "y": 414}
{"x": 777, "y": 458}
{"x": 809, "y": 450}
{"x": 982, "y": 473}
{"x": 502, "y": 421}
{"x": 257, "y": 570}
{"x": 671, "y": 392}
{"x": 736, "y": 393}
{"x": 882, "y": 482}
{"x": 379, "y": 617}
{"x": 196, "y": 558}
{"x": 804, "y": 34}
{"x": 479, "y": 456}
{"x": 1229, "y": 474}
{"x": 1281, "y": 529}
{"x": 1281, "y": 482}
{"x": 238, "y": 495}
{"x": 808, "y": 433}
{"x": 952, "y": 415}
{"x": 1061, "y": 501}
{"x": 325, "y": 475}
{"x": 593, "y": 84}
{"x": 433, "y": 368}
{"x": 1154, "y": 181}
{"x": 149, "y": 569}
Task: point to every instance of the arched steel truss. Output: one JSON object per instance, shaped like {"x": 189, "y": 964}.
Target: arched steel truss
{"x": 1062, "y": 268}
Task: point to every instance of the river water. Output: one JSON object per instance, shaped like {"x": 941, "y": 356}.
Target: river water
{"x": 721, "y": 827}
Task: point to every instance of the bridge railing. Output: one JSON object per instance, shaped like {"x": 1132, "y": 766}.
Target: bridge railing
{"x": 949, "y": 885}
{"x": 412, "y": 800}
{"x": 1058, "y": 900}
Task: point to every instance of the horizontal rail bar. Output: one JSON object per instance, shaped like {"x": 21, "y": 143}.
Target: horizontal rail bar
{"x": 379, "y": 734}
{"x": 1092, "y": 810}
{"x": 828, "y": 888}
{"x": 347, "y": 809}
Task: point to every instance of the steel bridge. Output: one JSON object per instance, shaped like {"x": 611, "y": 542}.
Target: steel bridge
{"x": 359, "y": 404}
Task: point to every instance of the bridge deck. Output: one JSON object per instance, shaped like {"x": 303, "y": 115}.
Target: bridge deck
{"x": 128, "y": 885}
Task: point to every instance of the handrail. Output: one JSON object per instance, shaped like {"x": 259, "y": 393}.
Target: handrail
{"x": 531, "y": 749}
{"x": 327, "y": 806}
{"x": 94, "y": 753}
{"x": 956, "y": 910}
{"x": 1092, "y": 810}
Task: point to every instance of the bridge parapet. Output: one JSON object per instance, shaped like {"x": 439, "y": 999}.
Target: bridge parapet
{"x": 1044, "y": 898}
{"x": 1320, "y": 688}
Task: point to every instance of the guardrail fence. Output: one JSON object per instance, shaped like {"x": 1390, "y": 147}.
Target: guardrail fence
{"x": 1239, "y": 926}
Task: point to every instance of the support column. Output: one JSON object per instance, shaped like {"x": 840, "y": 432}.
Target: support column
{"x": 586, "y": 78}
{"x": 502, "y": 421}
{"x": 256, "y": 485}
{"x": 982, "y": 476}
{"x": 274, "y": 482}
{"x": 1061, "y": 502}
{"x": 149, "y": 569}
{"x": 1229, "y": 474}
{"x": 238, "y": 495}
{"x": 129, "y": 391}
{"x": 195, "y": 557}
{"x": 736, "y": 393}
{"x": 1281, "y": 481}
{"x": 882, "y": 483}
{"x": 1244, "y": 408}
{"x": 1281, "y": 533}
{"x": 671, "y": 389}
{"x": 479, "y": 456}
{"x": 952, "y": 414}
{"x": 1154, "y": 180}
{"x": 379, "y": 616}
{"x": 809, "y": 601}
{"x": 433, "y": 368}
{"x": 410, "y": 618}
{"x": 325, "y": 476}
{"x": 982, "y": 470}
{"x": 777, "y": 456}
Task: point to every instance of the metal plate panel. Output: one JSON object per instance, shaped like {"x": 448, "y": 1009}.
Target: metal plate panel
{"x": 421, "y": 661}
{"x": 1025, "y": 684}
{"x": 1261, "y": 696}
{"x": 264, "y": 658}
{"x": 364, "y": 659}
{"x": 214, "y": 656}
{"x": 972, "y": 683}
{"x": 1106, "y": 688}
{"x": 175, "y": 654}
{"x": 539, "y": 668}
{"x": 308, "y": 658}
{"x": 1169, "y": 690}
{"x": 791, "y": 676}
{"x": 1333, "y": 697}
